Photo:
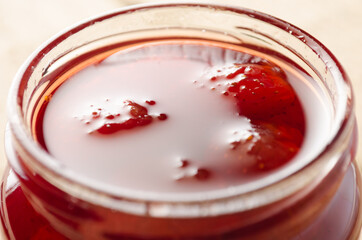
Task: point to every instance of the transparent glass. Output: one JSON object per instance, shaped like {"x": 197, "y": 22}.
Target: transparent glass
{"x": 297, "y": 203}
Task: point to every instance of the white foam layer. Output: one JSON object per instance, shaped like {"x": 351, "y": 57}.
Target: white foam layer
{"x": 200, "y": 126}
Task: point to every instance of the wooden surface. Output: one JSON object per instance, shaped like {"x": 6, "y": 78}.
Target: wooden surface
{"x": 25, "y": 24}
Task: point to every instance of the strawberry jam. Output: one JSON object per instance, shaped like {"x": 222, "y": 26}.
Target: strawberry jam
{"x": 137, "y": 113}
{"x": 174, "y": 117}
{"x": 181, "y": 122}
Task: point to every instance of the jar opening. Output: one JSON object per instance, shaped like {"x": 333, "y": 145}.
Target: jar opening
{"x": 218, "y": 23}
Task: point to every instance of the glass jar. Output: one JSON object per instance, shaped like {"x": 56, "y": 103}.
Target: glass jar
{"x": 319, "y": 199}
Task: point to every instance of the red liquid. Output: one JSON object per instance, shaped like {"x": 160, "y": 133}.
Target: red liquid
{"x": 334, "y": 223}
{"x": 176, "y": 117}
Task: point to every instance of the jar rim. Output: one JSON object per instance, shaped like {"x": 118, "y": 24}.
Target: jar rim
{"x": 44, "y": 162}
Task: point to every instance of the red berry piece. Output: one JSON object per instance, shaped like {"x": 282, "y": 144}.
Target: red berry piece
{"x": 162, "y": 117}
{"x": 270, "y": 147}
{"x": 136, "y": 110}
{"x": 110, "y": 128}
{"x": 110, "y": 117}
{"x": 202, "y": 174}
{"x": 128, "y": 116}
{"x": 138, "y": 117}
{"x": 95, "y": 115}
{"x": 261, "y": 89}
{"x": 151, "y": 102}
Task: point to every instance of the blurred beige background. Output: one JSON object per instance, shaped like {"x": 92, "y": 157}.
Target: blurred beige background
{"x": 25, "y": 24}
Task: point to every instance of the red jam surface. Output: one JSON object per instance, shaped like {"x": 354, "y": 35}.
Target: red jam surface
{"x": 171, "y": 117}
